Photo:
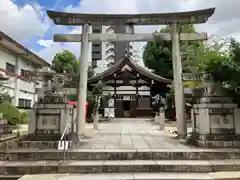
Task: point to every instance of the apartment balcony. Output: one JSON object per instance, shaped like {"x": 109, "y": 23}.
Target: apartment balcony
{"x": 110, "y": 60}
{"x": 110, "y": 30}
{"x": 130, "y": 45}
{"x": 109, "y": 46}
{"x": 110, "y": 53}
{"x": 110, "y": 64}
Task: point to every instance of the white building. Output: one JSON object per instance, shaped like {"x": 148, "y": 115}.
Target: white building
{"x": 15, "y": 61}
{"x": 104, "y": 54}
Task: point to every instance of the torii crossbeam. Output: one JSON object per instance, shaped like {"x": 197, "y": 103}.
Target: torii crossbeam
{"x": 128, "y": 37}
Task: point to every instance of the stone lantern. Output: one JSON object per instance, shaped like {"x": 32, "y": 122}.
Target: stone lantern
{"x": 215, "y": 119}
{"x": 51, "y": 113}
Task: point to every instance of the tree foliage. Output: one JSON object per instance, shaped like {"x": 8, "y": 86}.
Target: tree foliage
{"x": 224, "y": 66}
{"x": 10, "y": 113}
{"x": 220, "y": 58}
{"x": 157, "y": 55}
{"x": 65, "y": 61}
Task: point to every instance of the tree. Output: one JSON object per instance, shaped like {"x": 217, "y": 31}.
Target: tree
{"x": 157, "y": 55}
{"x": 223, "y": 66}
{"x": 65, "y": 61}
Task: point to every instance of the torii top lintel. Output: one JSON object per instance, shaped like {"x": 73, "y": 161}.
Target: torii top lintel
{"x": 74, "y": 19}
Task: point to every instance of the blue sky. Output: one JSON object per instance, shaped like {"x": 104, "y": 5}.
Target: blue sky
{"x": 50, "y": 4}
{"x": 26, "y": 20}
{"x": 57, "y": 5}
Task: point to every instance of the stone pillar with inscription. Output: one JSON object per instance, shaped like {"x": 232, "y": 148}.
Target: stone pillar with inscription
{"x": 216, "y": 119}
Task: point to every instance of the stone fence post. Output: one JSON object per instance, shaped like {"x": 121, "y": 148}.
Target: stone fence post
{"x": 162, "y": 118}
{"x": 95, "y": 121}
{"x": 156, "y": 119}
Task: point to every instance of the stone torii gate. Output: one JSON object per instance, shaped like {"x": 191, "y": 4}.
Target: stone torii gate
{"x": 173, "y": 19}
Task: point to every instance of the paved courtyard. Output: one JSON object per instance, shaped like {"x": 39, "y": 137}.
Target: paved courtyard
{"x": 132, "y": 134}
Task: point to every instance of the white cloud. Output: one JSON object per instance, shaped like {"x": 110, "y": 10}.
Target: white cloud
{"x": 28, "y": 20}
{"x": 22, "y": 23}
{"x": 45, "y": 43}
{"x": 53, "y": 48}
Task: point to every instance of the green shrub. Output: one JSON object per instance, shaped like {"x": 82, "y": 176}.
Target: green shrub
{"x": 24, "y": 117}
{"x": 10, "y": 113}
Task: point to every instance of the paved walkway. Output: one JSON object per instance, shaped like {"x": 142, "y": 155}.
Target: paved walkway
{"x": 131, "y": 134}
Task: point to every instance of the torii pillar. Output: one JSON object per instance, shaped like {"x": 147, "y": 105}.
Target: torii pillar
{"x": 83, "y": 72}
{"x": 178, "y": 83}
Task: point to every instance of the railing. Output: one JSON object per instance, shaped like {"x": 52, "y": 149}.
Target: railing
{"x": 64, "y": 144}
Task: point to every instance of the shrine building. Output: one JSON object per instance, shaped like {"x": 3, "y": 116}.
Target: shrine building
{"x": 129, "y": 88}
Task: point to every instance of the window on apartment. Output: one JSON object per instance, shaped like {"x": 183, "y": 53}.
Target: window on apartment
{"x": 23, "y": 73}
{"x": 96, "y": 29}
{"x": 10, "y": 68}
{"x": 24, "y": 103}
{"x": 96, "y": 54}
{"x": 96, "y": 45}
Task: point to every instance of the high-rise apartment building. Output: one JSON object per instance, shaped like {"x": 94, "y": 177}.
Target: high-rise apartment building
{"x": 104, "y": 54}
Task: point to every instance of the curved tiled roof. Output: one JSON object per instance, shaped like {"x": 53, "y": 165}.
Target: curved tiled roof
{"x": 127, "y": 60}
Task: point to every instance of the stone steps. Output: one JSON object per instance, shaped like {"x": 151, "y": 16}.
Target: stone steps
{"x": 130, "y": 176}
{"x": 124, "y": 154}
{"x": 38, "y": 144}
{"x": 122, "y": 176}
{"x": 10, "y": 177}
{"x": 127, "y": 166}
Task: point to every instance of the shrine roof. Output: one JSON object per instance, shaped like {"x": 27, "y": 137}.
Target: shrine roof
{"x": 188, "y": 17}
{"x": 133, "y": 65}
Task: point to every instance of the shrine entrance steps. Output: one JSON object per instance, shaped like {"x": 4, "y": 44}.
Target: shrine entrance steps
{"x": 122, "y": 150}
{"x": 121, "y": 164}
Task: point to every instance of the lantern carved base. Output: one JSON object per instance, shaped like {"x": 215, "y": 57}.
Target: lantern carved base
{"x": 216, "y": 125}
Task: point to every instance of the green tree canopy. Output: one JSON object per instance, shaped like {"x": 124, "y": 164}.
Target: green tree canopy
{"x": 65, "y": 61}
{"x": 157, "y": 55}
{"x": 223, "y": 66}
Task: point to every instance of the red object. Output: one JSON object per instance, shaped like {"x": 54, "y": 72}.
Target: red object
{"x": 75, "y": 103}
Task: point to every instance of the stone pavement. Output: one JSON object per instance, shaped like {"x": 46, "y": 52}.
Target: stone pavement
{"x": 131, "y": 134}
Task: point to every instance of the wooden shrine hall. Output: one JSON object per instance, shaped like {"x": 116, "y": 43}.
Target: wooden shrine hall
{"x": 129, "y": 88}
